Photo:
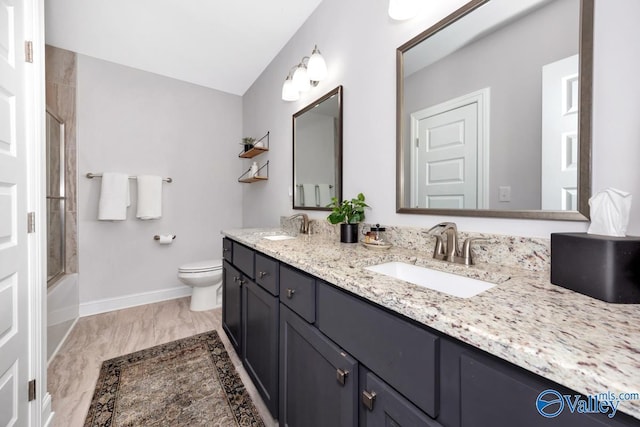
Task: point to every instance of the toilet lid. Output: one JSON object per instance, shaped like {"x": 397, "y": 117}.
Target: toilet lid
{"x": 201, "y": 266}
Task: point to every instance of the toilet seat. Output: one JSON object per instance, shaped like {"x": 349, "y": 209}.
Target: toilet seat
{"x": 201, "y": 266}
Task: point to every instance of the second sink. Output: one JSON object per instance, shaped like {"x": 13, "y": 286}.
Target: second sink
{"x": 450, "y": 284}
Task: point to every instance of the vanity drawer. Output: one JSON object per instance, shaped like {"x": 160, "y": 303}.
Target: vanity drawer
{"x": 243, "y": 259}
{"x": 267, "y": 273}
{"x": 298, "y": 292}
{"x": 402, "y": 354}
{"x": 227, "y": 249}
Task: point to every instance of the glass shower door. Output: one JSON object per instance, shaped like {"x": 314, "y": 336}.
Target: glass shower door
{"x": 55, "y": 199}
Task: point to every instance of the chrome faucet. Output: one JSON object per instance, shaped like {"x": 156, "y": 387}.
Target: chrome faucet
{"x": 448, "y": 250}
{"x": 304, "y": 224}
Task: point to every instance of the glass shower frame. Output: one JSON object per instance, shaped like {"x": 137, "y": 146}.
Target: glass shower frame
{"x": 56, "y": 233}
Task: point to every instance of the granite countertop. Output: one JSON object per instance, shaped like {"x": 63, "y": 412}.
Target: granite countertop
{"x": 582, "y": 343}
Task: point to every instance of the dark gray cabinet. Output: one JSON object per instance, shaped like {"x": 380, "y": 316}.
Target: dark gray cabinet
{"x": 318, "y": 380}
{"x": 232, "y": 305}
{"x": 321, "y": 356}
{"x": 260, "y": 328}
{"x": 402, "y": 354}
{"x": 382, "y": 406}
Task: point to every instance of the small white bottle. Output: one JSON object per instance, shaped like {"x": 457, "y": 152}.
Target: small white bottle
{"x": 254, "y": 169}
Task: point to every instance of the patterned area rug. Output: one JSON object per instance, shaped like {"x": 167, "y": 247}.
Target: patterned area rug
{"x": 189, "y": 382}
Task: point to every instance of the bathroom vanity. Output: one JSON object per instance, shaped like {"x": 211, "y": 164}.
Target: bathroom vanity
{"x": 328, "y": 343}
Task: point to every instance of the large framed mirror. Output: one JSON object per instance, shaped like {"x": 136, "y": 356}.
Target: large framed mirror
{"x": 317, "y": 152}
{"x": 494, "y": 112}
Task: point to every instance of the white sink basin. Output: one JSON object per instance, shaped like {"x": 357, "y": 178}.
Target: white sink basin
{"x": 278, "y": 237}
{"x": 451, "y": 284}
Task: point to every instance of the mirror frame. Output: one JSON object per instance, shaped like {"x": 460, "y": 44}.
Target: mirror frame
{"x": 338, "y": 155}
{"x": 584, "y": 126}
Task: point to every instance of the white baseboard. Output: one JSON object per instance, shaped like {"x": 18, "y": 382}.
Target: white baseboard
{"x": 110, "y": 304}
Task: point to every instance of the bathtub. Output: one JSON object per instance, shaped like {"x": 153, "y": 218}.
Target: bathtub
{"x": 62, "y": 311}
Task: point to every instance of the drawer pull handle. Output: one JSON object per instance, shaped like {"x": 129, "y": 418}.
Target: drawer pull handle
{"x": 290, "y": 293}
{"x": 261, "y": 274}
{"x": 368, "y": 397}
{"x": 236, "y": 278}
{"x": 242, "y": 282}
{"x": 341, "y": 376}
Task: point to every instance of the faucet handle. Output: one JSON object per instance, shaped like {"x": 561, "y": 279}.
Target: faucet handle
{"x": 466, "y": 248}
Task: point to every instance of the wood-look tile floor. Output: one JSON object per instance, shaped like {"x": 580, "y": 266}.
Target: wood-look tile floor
{"x": 73, "y": 372}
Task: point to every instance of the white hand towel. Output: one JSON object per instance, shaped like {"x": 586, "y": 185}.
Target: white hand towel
{"x": 309, "y": 195}
{"x": 114, "y": 197}
{"x": 149, "y": 197}
{"x": 325, "y": 195}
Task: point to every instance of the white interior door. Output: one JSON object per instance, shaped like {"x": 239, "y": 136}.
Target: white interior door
{"x": 14, "y": 281}
{"x": 560, "y": 134}
{"x": 447, "y": 158}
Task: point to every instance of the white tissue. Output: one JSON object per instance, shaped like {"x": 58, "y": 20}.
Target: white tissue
{"x": 165, "y": 239}
{"x": 610, "y": 212}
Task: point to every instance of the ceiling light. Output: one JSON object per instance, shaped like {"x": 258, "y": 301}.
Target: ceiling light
{"x": 401, "y": 10}
{"x": 305, "y": 75}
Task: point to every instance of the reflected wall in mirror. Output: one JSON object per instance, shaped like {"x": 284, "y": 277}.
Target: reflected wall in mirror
{"x": 494, "y": 112}
{"x": 317, "y": 152}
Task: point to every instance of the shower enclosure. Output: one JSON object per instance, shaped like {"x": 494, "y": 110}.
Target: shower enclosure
{"x": 55, "y": 199}
{"x": 62, "y": 287}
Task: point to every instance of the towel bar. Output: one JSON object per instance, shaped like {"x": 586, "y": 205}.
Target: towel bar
{"x": 99, "y": 175}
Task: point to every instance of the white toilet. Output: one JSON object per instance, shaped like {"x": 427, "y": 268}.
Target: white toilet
{"x": 205, "y": 277}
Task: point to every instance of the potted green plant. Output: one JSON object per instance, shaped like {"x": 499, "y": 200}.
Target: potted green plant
{"x": 347, "y": 213}
{"x": 248, "y": 143}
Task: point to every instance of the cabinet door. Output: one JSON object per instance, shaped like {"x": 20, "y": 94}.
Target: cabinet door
{"x": 382, "y": 406}
{"x": 232, "y": 305}
{"x": 260, "y": 341}
{"x": 493, "y": 394}
{"x": 318, "y": 381}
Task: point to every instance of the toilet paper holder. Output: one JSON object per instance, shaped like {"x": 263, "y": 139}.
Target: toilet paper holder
{"x": 157, "y": 237}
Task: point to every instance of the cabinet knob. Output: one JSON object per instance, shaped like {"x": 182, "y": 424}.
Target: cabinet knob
{"x": 225, "y": 249}
{"x": 242, "y": 282}
{"x": 290, "y": 293}
{"x": 261, "y": 274}
{"x": 236, "y": 278}
{"x": 368, "y": 397}
{"x": 341, "y": 376}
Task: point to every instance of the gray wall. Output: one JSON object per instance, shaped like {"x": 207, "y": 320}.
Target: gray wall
{"x": 359, "y": 42}
{"x": 508, "y": 61}
{"x": 141, "y": 123}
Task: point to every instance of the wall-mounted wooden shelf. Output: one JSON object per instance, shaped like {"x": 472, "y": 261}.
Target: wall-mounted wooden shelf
{"x": 261, "y": 175}
{"x": 255, "y": 151}
{"x": 253, "y": 179}
{"x": 259, "y": 147}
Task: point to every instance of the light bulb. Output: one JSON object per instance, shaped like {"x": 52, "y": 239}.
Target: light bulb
{"x": 301, "y": 79}
{"x": 401, "y": 10}
{"x": 289, "y": 92}
{"x": 317, "y": 67}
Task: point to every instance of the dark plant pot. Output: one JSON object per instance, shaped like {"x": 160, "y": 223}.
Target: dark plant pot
{"x": 349, "y": 233}
{"x": 248, "y": 147}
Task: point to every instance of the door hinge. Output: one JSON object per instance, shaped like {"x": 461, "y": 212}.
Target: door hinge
{"x": 31, "y": 222}
{"x": 28, "y": 51}
{"x": 417, "y": 142}
{"x": 32, "y": 390}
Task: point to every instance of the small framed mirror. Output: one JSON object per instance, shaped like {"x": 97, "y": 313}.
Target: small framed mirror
{"x": 494, "y": 112}
{"x": 317, "y": 152}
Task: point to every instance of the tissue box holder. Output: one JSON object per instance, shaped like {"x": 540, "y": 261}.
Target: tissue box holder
{"x": 603, "y": 267}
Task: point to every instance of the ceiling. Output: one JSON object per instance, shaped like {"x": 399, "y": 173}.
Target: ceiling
{"x": 223, "y": 45}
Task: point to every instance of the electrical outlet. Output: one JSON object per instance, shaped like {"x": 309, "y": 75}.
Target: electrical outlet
{"x": 505, "y": 193}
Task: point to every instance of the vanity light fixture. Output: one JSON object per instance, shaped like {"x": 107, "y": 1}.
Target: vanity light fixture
{"x": 304, "y": 76}
{"x": 401, "y": 10}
